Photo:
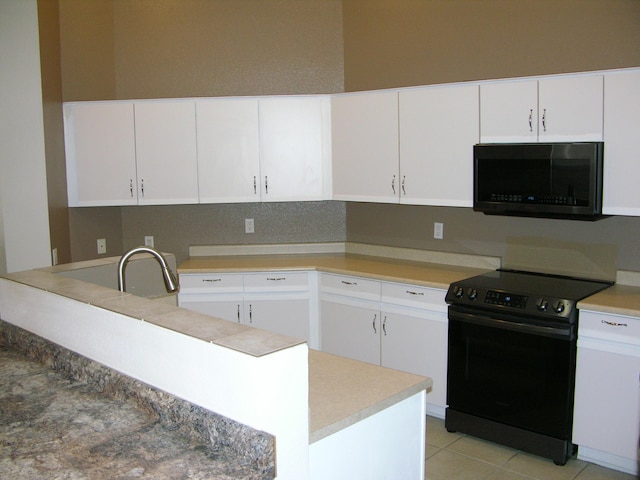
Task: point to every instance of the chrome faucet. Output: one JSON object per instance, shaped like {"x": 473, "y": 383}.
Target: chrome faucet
{"x": 170, "y": 281}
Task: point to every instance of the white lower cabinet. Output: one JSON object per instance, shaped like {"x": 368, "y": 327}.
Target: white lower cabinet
{"x": 394, "y": 325}
{"x": 273, "y": 301}
{"x": 606, "y": 424}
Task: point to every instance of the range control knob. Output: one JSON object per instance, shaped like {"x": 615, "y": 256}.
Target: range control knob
{"x": 542, "y": 304}
{"x": 473, "y": 294}
{"x": 458, "y": 291}
{"x": 558, "y": 307}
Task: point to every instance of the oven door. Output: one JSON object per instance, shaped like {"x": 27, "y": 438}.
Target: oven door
{"x": 512, "y": 370}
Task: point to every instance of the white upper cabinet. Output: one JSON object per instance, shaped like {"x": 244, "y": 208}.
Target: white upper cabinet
{"x": 438, "y": 128}
{"x": 622, "y": 143}
{"x": 165, "y": 134}
{"x": 509, "y": 112}
{"x": 228, "y": 150}
{"x": 553, "y": 109}
{"x": 364, "y": 138}
{"x": 294, "y": 148}
{"x": 100, "y": 154}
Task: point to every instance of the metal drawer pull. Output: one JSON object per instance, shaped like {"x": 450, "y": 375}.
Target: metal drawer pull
{"x": 238, "y": 313}
{"x": 614, "y": 324}
{"x": 384, "y": 326}
{"x": 211, "y": 279}
{"x": 393, "y": 184}
{"x": 374, "y": 323}
{"x": 404, "y": 177}
{"x": 344, "y": 282}
{"x": 131, "y": 187}
{"x": 255, "y": 187}
{"x": 531, "y": 120}
{"x": 250, "y": 313}
{"x": 414, "y": 293}
{"x": 544, "y": 119}
{"x": 276, "y": 279}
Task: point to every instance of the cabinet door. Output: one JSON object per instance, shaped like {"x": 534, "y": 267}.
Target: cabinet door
{"x": 509, "y": 111}
{"x": 350, "y": 329}
{"x": 226, "y": 307}
{"x": 101, "y": 154}
{"x": 607, "y": 400}
{"x": 228, "y": 150}
{"x": 287, "y": 315}
{"x": 415, "y": 341}
{"x": 570, "y": 109}
{"x": 166, "y": 152}
{"x": 438, "y": 128}
{"x": 364, "y": 137}
{"x": 294, "y": 147}
{"x": 622, "y": 144}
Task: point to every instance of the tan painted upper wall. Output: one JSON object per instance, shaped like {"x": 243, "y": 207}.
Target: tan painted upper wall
{"x": 180, "y": 48}
{"x": 417, "y": 42}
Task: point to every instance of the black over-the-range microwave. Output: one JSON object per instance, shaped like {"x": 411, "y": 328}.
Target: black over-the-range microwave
{"x": 552, "y": 180}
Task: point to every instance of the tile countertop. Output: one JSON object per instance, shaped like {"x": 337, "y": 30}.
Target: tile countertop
{"x": 386, "y": 269}
{"x": 619, "y": 299}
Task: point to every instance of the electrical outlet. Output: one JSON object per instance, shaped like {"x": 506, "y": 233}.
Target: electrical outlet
{"x": 249, "y": 226}
{"x": 148, "y": 241}
{"x": 438, "y": 230}
{"x": 102, "y": 246}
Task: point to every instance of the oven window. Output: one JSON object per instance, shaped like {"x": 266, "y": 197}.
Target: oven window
{"x": 519, "y": 379}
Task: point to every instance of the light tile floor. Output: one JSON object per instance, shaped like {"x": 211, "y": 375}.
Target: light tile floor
{"x": 453, "y": 456}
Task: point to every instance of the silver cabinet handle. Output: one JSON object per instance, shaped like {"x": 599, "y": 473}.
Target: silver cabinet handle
{"x": 209, "y": 280}
{"x": 384, "y": 325}
{"x": 131, "y": 187}
{"x": 375, "y": 316}
{"x": 404, "y": 192}
{"x": 544, "y": 120}
{"x": 531, "y": 120}
{"x": 142, "y": 187}
{"x": 250, "y": 313}
{"x": 414, "y": 293}
{"x": 276, "y": 279}
{"x": 238, "y": 313}
{"x": 393, "y": 184}
{"x": 344, "y": 282}
{"x": 614, "y": 324}
{"x": 255, "y": 185}
{"x": 266, "y": 185}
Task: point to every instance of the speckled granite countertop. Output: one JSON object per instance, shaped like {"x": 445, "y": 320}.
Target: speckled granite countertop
{"x": 64, "y": 416}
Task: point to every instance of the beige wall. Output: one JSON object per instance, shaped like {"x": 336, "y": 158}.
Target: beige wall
{"x": 145, "y": 48}
{"x": 416, "y": 42}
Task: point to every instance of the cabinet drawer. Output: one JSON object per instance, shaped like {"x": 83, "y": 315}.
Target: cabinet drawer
{"x": 350, "y": 286}
{"x": 415, "y": 296}
{"x": 276, "y": 281}
{"x": 210, "y": 283}
{"x": 603, "y": 326}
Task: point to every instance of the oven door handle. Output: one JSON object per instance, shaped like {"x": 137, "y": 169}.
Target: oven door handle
{"x": 516, "y": 326}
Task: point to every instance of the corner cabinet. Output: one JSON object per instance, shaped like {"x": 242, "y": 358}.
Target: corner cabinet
{"x": 394, "y": 325}
{"x": 606, "y": 425}
{"x": 622, "y": 143}
{"x": 364, "y": 136}
{"x": 565, "y": 108}
{"x": 100, "y": 154}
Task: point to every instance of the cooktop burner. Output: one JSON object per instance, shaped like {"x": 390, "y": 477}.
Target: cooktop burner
{"x": 522, "y": 292}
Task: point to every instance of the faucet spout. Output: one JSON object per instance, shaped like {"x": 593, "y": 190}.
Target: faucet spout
{"x": 170, "y": 281}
